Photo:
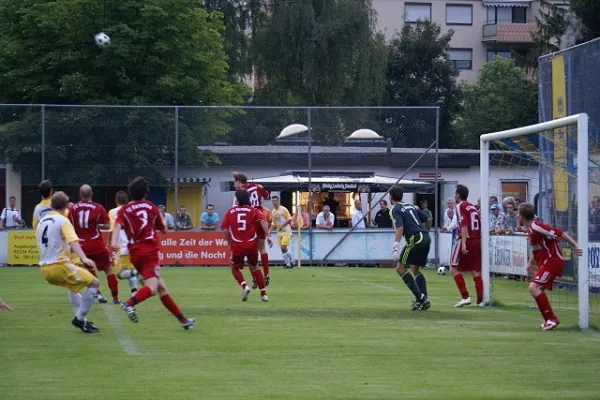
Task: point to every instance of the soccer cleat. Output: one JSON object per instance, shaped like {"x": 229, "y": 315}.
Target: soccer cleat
{"x": 265, "y": 298}
{"x": 245, "y": 293}
{"x": 550, "y": 324}
{"x": 267, "y": 280}
{"x": 480, "y": 305}
{"x": 189, "y": 323}
{"x": 130, "y": 312}
{"x": 85, "y": 326}
{"x": 414, "y": 306}
{"x": 424, "y": 304}
{"x": 254, "y": 284}
{"x": 463, "y": 302}
{"x": 90, "y": 327}
{"x": 101, "y": 299}
{"x": 116, "y": 301}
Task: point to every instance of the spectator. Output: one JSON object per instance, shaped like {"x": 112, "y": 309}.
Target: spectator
{"x": 209, "y": 219}
{"x": 517, "y": 203}
{"x": 594, "y": 221}
{"x": 510, "y": 220}
{"x": 450, "y": 221}
{"x": 332, "y": 203}
{"x": 357, "y": 216}
{"x": 478, "y": 205}
{"x": 11, "y": 216}
{"x": 424, "y": 206}
{"x": 383, "y": 219}
{"x": 168, "y": 218}
{"x": 184, "y": 220}
{"x": 325, "y": 219}
{"x": 506, "y": 202}
{"x": 496, "y": 219}
{"x": 305, "y": 219}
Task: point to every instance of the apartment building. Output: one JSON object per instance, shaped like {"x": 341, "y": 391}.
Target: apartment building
{"x": 482, "y": 28}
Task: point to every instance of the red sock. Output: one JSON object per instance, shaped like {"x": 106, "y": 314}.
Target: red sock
{"x": 239, "y": 277}
{"x": 170, "y": 305}
{"x": 462, "y": 286}
{"x": 479, "y": 288}
{"x": 260, "y": 281}
{"x": 113, "y": 285}
{"x": 545, "y": 308}
{"x": 142, "y": 294}
{"x": 265, "y": 262}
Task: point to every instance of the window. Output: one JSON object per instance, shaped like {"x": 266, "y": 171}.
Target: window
{"x": 506, "y": 14}
{"x": 502, "y": 53}
{"x": 459, "y": 14}
{"x": 461, "y": 58}
{"x": 416, "y": 12}
{"x": 518, "y": 190}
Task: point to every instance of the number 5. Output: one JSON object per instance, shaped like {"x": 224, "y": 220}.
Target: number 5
{"x": 241, "y": 219}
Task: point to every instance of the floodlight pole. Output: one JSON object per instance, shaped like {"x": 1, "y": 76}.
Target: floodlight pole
{"x": 309, "y": 205}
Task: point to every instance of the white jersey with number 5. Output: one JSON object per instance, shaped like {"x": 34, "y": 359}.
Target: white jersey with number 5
{"x": 54, "y": 234}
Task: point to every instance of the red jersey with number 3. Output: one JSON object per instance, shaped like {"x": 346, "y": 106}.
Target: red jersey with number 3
{"x": 85, "y": 217}
{"x": 141, "y": 219}
{"x": 242, "y": 224}
{"x": 469, "y": 216}
{"x": 544, "y": 241}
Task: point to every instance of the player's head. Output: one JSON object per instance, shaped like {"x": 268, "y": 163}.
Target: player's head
{"x": 242, "y": 197}
{"x": 462, "y": 193}
{"x": 121, "y": 198}
{"x": 85, "y": 192}
{"x": 526, "y": 213}
{"x": 239, "y": 180}
{"x": 138, "y": 188}
{"x": 59, "y": 202}
{"x": 46, "y": 189}
{"x": 396, "y": 194}
{"x": 275, "y": 201}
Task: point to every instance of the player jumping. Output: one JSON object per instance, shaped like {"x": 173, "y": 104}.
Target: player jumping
{"x": 466, "y": 255}
{"x": 548, "y": 259}
{"x": 123, "y": 266}
{"x": 141, "y": 219}
{"x": 409, "y": 222}
{"x": 240, "y": 225}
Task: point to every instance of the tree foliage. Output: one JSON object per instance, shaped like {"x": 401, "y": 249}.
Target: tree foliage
{"x": 589, "y": 13}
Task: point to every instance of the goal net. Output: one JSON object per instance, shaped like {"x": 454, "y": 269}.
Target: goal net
{"x": 555, "y": 166}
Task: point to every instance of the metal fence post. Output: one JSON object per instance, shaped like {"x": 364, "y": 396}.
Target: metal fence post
{"x": 436, "y": 193}
{"x": 309, "y": 211}
{"x": 43, "y": 122}
{"x": 176, "y": 172}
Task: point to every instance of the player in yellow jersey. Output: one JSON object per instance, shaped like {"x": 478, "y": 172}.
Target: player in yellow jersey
{"x": 123, "y": 266}
{"x": 43, "y": 207}
{"x": 281, "y": 222}
{"x": 55, "y": 237}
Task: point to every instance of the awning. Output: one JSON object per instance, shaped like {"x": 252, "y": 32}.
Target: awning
{"x": 200, "y": 181}
{"x": 505, "y": 3}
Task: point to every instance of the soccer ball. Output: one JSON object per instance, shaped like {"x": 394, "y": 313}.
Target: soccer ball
{"x": 442, "y": 271}
{"x": 102, "y": 39}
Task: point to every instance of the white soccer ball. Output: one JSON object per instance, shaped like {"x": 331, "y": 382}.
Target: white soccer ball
{"x": 442, "y": 271}
{"x": 102, "y": 39}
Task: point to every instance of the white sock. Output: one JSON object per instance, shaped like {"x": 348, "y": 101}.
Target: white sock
{"x": 133, "y": 282}
{"x": 86, "y": 302}
{"x": 75, "y": 299}
{"x": 287, "y": 258}
{"x": 126, "y": 274}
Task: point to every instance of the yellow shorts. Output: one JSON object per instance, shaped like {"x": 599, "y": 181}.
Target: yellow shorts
{"x": 284, "y": 240}
{"x": 74, "y": 259}
{"x": 67, "y": 275}
{"x": 123, "y": 262}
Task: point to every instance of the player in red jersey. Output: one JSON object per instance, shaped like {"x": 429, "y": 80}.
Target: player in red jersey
{"x": 548, "y": 258}
{"x": 257, "y": 194}
{"x": 241, "y": 226}
{"x": 88, "y": 218}
{"x": 141, "y": 220}
{"x": 466, "y": 255}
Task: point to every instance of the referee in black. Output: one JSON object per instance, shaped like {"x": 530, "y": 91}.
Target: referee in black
{"x": 409, "y": 222}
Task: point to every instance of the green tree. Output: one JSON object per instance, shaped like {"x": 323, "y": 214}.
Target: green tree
{"x": 589, "y": 13}
{"x": 503, "y": 98}
{"x": 420, "y": 73}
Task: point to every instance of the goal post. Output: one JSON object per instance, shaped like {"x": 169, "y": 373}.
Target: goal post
{"x": 560, "y": 145}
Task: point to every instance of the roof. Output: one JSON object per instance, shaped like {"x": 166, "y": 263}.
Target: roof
{"x": 191, "y": 179}
{"x": 506, "y": 3}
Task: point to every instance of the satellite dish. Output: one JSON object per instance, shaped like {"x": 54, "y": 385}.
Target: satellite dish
{"x": 364, "y": 134}
{"x": 292, "y": 130}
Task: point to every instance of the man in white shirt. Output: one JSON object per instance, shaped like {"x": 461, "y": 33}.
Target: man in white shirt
{"x": 325, "y": 219}
{"x": 450, "y": 220}
{"x": 11, "y": 216}
{"x": 358, "y": 220}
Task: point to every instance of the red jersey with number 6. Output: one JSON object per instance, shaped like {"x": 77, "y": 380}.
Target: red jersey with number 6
{"x": 141, "y": 219}
{"x": 85, "y": 217}
{"x": 469, "y": 216}
{"x": 242, "y": 222}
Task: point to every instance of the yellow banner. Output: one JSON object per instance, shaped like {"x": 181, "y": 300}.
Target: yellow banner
{"x": 22, "y": 248}
{"x": 559, "y": 110}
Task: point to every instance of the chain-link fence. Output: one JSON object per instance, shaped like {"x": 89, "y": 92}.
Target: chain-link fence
{"x": 310, "y": 157}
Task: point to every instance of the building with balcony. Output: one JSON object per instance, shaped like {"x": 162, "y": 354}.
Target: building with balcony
{"x": 482, "y": 29}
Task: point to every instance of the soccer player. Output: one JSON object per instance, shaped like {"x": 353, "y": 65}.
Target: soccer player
{"x": 257, "y": 193}
{"x": 409, "y": 222}
{"x": 548, "y": 259}
{"x": 240, "y": 226}
{"x": 124, "y": 269}
{"x": 89, "y": 218}
{"x": 55, "y": 235}
{"x": 281, "y": 222}
{"x": 466, "y": 255}
{"x": 43, "y": 207}
{"x": 141, "y": 219}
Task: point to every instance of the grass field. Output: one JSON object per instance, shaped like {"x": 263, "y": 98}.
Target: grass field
{"x": 327, "y": 333}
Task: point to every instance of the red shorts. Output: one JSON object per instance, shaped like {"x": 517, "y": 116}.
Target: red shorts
{"x": 147, "y": 264}
{"x": 239, "y": 254}
{"x": 103, "y": 260}
{"x": 470, "y": 261}
{"x": 545, "y": 275}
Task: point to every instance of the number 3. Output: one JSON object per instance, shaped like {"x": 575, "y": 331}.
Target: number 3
{"x": 144, "y": 217}
{"x": 241, "y": 219}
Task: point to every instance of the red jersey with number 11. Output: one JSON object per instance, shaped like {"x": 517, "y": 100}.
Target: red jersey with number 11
{"x": 242, "y": 224}
{"x": 140, "y": 220}
{"x": 469, "y": 216}
{"x": 85, "y": 217}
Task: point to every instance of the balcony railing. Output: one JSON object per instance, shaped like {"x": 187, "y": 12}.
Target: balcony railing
{"x": 509, "y": 32}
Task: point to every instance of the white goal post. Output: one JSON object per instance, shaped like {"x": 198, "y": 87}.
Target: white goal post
{"x": 580, "y": 121}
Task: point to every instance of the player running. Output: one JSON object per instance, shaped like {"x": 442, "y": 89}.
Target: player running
{"x": 240, "y": 225}
{"x": 409, "y": 222}
{"x": 466, "y": 255}
{"x": 55, "y": 235}
{"x": 123, "y": 267}
{"x": 257, "y": 194}
{"x": 88, "y": 218}
{"x": 548, "y": 259}
{"x": 141, "y": 219}
{"x": 281, "y": 222}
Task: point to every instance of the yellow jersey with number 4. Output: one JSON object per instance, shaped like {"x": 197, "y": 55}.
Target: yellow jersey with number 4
{"x": 54, "y": 233}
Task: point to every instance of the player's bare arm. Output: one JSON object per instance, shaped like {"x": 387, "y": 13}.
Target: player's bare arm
{"x": 76, "y": 248}
{"x": 265, "y": 227}
{"x": 5, "y": 307}
{"x": 565, "y": 236}
{"x": 464, "y": 231}
{"x": 114, "y": 239}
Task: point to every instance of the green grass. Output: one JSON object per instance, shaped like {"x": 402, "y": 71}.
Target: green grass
{"x": 325, "y": 334}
